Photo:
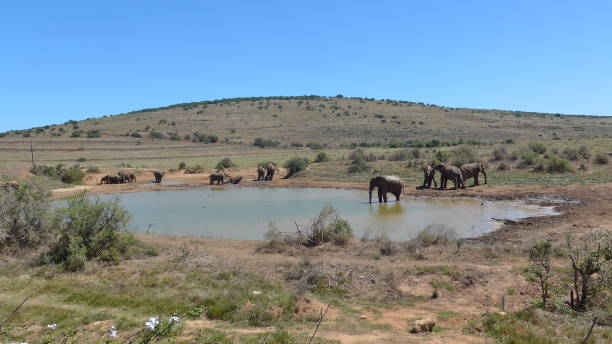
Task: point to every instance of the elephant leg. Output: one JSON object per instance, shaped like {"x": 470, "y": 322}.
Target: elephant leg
{"x": 397, "y": 196}
{"x": 485, "y": 175}
{"x": 434, "y": 182}
{"x": 380, "y": 196}
{"x": 385, "y": 196}
{"x": 476, "y": 180}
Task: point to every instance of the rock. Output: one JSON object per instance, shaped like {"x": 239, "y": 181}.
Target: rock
{"x": 363, "y": 317}
{"x": 423, "y": 326}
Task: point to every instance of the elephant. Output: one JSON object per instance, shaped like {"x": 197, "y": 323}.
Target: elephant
{"x": 132, "y": 177}
{"x": 124, "y": 177}
{"x": 158, "y": 176}
{"x": 450, "y": 172}
{"x": 261, "y": 173}
{"x": 114, "y": 180}
{"x": 235, "y": 180}
{"x": 385, "y": 184}
{"x": 270, "y": 170}
{"x": 217, "y": 177}
{"x": 105, "y": 179}
{"x": 428, "y": 176}
{"x": 473, "y": 170}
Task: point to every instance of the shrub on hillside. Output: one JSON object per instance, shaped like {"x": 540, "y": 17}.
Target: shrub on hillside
{"x": 401, "y": 155}
{"x": 314, "y": 145}
{"x": 537, "y": 147}
{"x": 322, "y": 157}
{"x": 528, "y": 159}
{"x": 261, "y": 143}
{"x": 23, "y": 217}
{"x": 295, "y": 165}
{"x": 157, "y": 135}
{"x": 225, "y": 163}
{"x": 182, "y": 166}
{"x": 90, "y": 229}
{"x": 556, "y": 164}
{"x": 570, "y": 153}
{"x": 602, "y": 159}
{"x": 499, "y": 154}
{"x": 203, "y": 138}
{"x": 463, "y": 155}
{"x": 93, "y": 133}
{"x": 584, "y": 151}
{"x": 442, "y": 156}
{"x": 72, "y": 175}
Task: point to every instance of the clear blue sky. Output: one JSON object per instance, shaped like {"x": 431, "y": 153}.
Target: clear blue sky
{"x": 62, "y": 60}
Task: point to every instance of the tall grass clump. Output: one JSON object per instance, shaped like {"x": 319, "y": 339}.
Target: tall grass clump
{"x": 322, "y": 157}
{"x": 359, "y": 163}
{"x": 556, "y": 164}
{"x": 602, "y": 159}
{"x": 537, "y": 147}
{"x": 499, "y": 154}
{"x": 89, "y": 229}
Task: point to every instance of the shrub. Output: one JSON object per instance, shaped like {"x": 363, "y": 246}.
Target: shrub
{"x": 81, "y": 159}
{"x": 93, "y": 169}
{"x": 584, "y": 151}
{"x": 93, "y": 133}
{"x": 416, "y": 153}
{"x": 570, "y": 153}
{"x": 463, "y": 155}
{"x": 72, "y": 175}
{"x": 602, "y": 159}
{"x": 182, "y": 166}
{"x": 295, "y": 165}
{"x": 328, "y": 226}
{"x": 435, "y": 234}
{"x": 499, "y": 153}
{"x": 442, "y": 156}
{"x": 357, "y": 154}
{"x": 503, "y": 166}
{"x": 136, "y": 135}
{"x": 314, "y": 145}
{"x": 76, "y": 133}
{"x": 322, "y": 157}
{"x": 23, "y": 217}
{"x": 401, "y": 155}
{"x": 90, "y": 229}
{"x": 528, "y": 159}
{"x": 194, "y": 169}
{"x": 157, "y": 135}
{"x": 225, "y": 163}
{"x": 197, "y": 137}
{"x": 539, "y": 256}
{"x": 359, "y": 165}
{"x": 556, "y": 164}
{"x": 537, "y": 147}
{"x": 261, "y": 143}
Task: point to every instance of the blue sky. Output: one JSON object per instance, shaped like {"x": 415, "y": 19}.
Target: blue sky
{"x": 62, "y": 60}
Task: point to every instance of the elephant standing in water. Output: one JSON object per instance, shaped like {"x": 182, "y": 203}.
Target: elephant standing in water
{"x": 270, "y": 170}
{"x": 450, "y": 172}
{"x": 428, "y": 176}
{"x": 217, "y": 177}
{"x": 385, "y": 184}
{"x": 261, "y": 173}
{"x": 158, "y": 176}
{"x": 472, "y": 170}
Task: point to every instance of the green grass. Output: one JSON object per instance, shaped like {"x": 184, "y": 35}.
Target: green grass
{"x": 445, "y": 315}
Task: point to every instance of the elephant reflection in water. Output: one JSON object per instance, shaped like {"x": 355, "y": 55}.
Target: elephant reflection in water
{"x": 384, "y": 209}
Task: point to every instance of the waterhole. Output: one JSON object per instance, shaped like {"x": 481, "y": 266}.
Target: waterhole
{"x": 245, "y": 213}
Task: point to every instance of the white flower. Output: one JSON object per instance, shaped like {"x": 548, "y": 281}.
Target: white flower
{"x": 174, "y": 319}
{"x": 152, "y": 323}
{"x": 113, "y": 332}
{"x": 256, "y": 292}
{"x": 52, "y": 326}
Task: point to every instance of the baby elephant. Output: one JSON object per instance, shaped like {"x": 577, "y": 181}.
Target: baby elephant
{"x": 158, "y": 176}
{"x": 217, "y": 177}
{"x": 428, "y": 176}
{"x": 473, "y": 170}
{"x": 450, "y": 172}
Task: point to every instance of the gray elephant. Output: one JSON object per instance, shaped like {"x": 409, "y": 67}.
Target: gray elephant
{"x": 114, "y": 179}
{"x": 217, "y": 177}
{"x": 158, "y": 176}
{"x": 124, "y": 176}
{"x": 261, "y": 173}
{"x": 428, "y": 176}
{"x": 385, "y": 184}
{"x": 132, "y": 177}
{"x": 105, "y": 179}
{"x": 270, "y": 170}
{"x": 450, "y": 172}
{"x": 473, "y": 170}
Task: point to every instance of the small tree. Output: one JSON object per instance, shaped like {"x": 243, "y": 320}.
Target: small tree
{"x": 295, "y": 165}
{"x": 23, "y": 217}
{"x": 225, "y": 163}
{"x": 322, "y": 157}
{"x": 539, "y": 255}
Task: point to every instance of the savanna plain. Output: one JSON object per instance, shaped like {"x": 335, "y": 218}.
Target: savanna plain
{"x": 73, "y": 272}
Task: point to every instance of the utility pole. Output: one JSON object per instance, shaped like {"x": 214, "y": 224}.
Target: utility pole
{"x": 32, "y": 152}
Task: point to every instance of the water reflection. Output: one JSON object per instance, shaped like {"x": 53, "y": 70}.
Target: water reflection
{"x": 386, "y": 209}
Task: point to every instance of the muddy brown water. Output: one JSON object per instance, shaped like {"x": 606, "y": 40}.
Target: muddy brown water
{"x": 245, "y": 213}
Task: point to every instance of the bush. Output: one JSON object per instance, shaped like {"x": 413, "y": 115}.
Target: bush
{"x": 194, "y": 169}
{"x": 357, "y": 154}
{"x": 602, "y": 159}
{"x": 537, "y": 147}
{"x": 314, "y": 145}
{"x": 197, "y": 137}
{"x": 182, "y": 166}
{"x": 328, "y": 226}
{"x": 528, "y": 159}
{"x": 72, "y": 175}
{"x": 93, "y": 169}
{"x": 499, "y": 154}
{"x": 401, "y": 155}
{"x": 463, "y": 155}
{"x": 93, "y": 133}
{"x": 81, "y": 159}
{"x": 261, "y": 143}
{"x": 23, "y": 217}
{"x": 136, "y": 134}
{"x": 435, "y": 234}
{"x": 322, "y": 157}
{"x": 442, "y": 156}
{"x": 225, "y": 163}
{"x": 157, "y": 135}
{"x": 503, "y": 166}
{"x": 76, "y": 133}
{"x": 89, "y": 230}
{"x": 570, "y": 153}
{"x": 556, "y": 164}
{"x": 295, "y": 165}
{"x": 584, "y": 151}
{"x": 416, "y": 153}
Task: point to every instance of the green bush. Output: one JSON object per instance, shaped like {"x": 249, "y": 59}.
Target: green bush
{"x": 537, "y": 147}
{"x": 528, "y": 159}
{"x": 556, "y": 164}
{"x": 157, "y": 135}
{"x": 23, "y": 217}
{"x": 295, "y": 165}
{"x": 197, "y": 168}
{"x": 602, "y": 159}
{"x": 261, "y": 143}
{"x": 328, "y": 226}
{"x": 570, "y": 153}
{"x": 401, "y": 155}
{"x": 314, "y": 145}
{"x": 463, "y": 155}
{"x": 93, "y": 133}
{"x": 225, "y": 163}
{"x": 81, "y": 159}
{"x": 584, "y": 151}
{"x": 322, "y": 157}
{"x": 182, "y": 166}
{"x": 72, "y": 175}
{"x": 76, "y": 133}
{"x": 197, "y": 137}
{"x": 90, "y": 229}
{"x": 499, "y": 154}
{"x": 442, "y": 156}
{"x": 136, "y": 135}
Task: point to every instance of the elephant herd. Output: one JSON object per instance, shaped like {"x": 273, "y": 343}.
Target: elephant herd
{"x": 121, "y": 177}
{"x": 395, "y": 186}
